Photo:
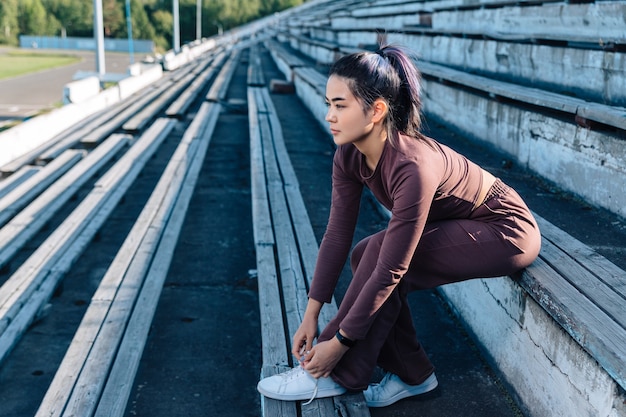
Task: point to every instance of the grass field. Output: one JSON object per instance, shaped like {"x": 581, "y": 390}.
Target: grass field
{"x": 15, "y": 62}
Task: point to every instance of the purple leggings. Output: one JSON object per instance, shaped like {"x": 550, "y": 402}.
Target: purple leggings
{"x": 500, "y": 238}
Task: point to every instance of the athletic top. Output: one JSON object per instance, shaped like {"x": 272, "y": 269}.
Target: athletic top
{"x": 419, "y": 181}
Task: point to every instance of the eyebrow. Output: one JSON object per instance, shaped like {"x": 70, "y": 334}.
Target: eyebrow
{"x": 335, "y": 99}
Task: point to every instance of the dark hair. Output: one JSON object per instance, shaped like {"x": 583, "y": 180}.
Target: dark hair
{"x": 388, "y": 73}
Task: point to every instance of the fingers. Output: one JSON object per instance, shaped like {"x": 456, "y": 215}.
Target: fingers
{"x": 315, "y": 366}
{"x": 296, "y": 349}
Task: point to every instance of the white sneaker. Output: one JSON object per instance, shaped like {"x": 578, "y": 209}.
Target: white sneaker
{"x": 297, "y": 384}
{"x": 392, "y": 389}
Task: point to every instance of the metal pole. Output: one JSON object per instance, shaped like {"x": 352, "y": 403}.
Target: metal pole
{"x": 199, "y": 20}
{"x": 176, "y": 37}
{"x": 129, "y": 25}
{"x": 98, "y": 35}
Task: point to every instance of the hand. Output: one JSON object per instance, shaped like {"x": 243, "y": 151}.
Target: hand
{"x": 323, "y": 358}
{"x": 306, "y": 333}
{"x": 303, "y": 337}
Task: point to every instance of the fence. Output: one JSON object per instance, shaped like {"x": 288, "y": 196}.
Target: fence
{"x": 113, "y": 45}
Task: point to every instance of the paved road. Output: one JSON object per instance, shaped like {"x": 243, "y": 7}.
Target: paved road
{"x": 23, "y": 96}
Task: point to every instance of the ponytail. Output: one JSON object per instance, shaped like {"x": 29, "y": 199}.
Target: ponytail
{"x": 388, "y": 73}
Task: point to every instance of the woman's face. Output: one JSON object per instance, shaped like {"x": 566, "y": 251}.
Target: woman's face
{"x": 348, "y": 122}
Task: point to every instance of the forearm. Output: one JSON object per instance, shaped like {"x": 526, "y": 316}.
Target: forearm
{"x": 313, "y": 309}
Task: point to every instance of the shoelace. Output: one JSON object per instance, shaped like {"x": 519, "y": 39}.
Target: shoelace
{"x": 292, "y": 373}
{"x": 314, "y": 394}
{"x": 295, "y": 372}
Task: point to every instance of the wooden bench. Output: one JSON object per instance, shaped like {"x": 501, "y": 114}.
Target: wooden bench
{"x": 97, "y": 373}
{"x": 31, "y": 219}
{"x": 9, "y": 183}
{"x": 286, "y": 251}
{"x": 219, "y": 88}
{"x": 99, "y": 127}
{"x": 580, "y": 295}
{"x": 20, "y": 196}
{"x": 203, "y": 73}
{"x": 27, "y": 290}
{"x": 584, "y": 293}
{"x": 535, "y": 123}
{"x": 512, "y": 58}
{"x": 597, "y": 23}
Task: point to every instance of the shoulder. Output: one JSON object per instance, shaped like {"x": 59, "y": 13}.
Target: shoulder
{"x": 347, "y": 158}
{"x": 422, "y": 154}
{"x": 414, "y": 163}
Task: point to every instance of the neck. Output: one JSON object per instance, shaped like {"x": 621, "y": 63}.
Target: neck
{"x": 372, "y": 147}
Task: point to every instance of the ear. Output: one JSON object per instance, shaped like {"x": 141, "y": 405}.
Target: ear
{"x": 380, "y": 110}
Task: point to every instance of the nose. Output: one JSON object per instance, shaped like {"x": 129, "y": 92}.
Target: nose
{"x": 330, "y": 116}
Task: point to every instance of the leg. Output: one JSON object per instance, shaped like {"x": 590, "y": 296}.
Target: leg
{"x": 499, "y": 239}
{"x": 392, "y": 331}
{"x": 402, "y": 354}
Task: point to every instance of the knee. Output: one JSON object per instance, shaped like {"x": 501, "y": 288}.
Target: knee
{"x": 357, "y": 254}
{"x": 371, "y": 244}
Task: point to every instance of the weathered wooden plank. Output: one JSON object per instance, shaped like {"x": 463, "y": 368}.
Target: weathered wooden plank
{"x": 112, "y": 303}
{"x": 602, "y": 295}
{"x": 23, "y": 194}
{"x": 292, "y": 281}
{"x": 179, "y": 107}
{"x": 262, "y": 228}
{"x": 602, "y": 337}
{"x": 255, "y": 73}
{"x": 351, "y": 405}
{"x": 290, "y": 59}
{"x": 596, "y": 264}
{"x": 307, "y": 243}
{"x": 218, "y": 90}
{"x": 18, "y": 177}
{"x": 140, "y": 119}
{"x": 314, "y": 78}
{"x": 119, "y": 289}
{"x": 120, "y": 381}
{"x": 273, "y": 339}
{"x": 275, "y": 408}
{"x": 16, "y": 233}
{"x": 612, "y": 116}
{"x": 296, "y": 245}
{"x": 21, "y": 295}
{"x": 274, "y": 343}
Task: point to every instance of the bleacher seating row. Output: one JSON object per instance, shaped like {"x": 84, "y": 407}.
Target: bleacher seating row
{"x": 96, "y": 376}
{"x": 282, "y": 226}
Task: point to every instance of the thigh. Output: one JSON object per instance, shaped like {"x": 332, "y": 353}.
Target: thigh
{"x": 456, "y": 250}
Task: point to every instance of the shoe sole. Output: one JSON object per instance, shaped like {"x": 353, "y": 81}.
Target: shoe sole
{"x": 426, "y": 386}
{"x": 302, "y": 396}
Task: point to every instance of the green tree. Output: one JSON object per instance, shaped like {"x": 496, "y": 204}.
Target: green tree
{"x": 151, "y": 19}
{"x": 163, "y": 21}
{"x": 142, "y": 27}
{"x": 32, "y": 17}
{"x": 272, "y": 6}
{"x": 75, "y": 17}
{"x": 113, "y": 18}
{"x": 238, "y": 12}
{"x": 8, "y": 22}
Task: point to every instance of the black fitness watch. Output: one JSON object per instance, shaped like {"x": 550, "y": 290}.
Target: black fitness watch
{"x": 344, "y": 340}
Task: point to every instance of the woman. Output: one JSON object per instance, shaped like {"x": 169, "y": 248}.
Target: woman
{"x": 450, "y": 221}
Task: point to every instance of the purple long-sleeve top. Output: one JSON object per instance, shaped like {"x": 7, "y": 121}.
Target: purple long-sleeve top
{"x": 418, "y": 180}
